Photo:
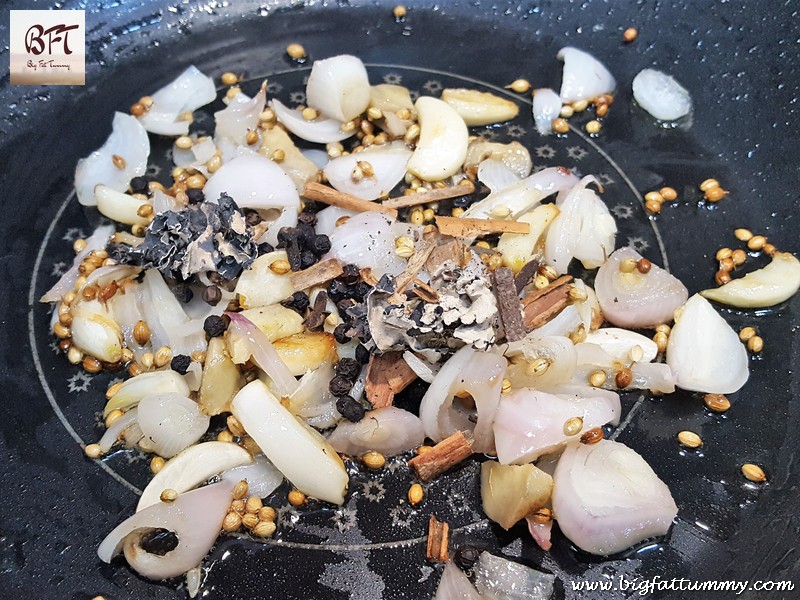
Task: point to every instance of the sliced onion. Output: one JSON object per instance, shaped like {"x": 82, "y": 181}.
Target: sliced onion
{"x": 191, "y": 467}
{"x": 513, "y": 155}
{"x": 66, "y": 283}
{"x": 497, "y": 577}
{"x": 305, "y": 458}
{"x": 195, "y": 518}
{"x": 546, "y": 108}
{"x": 495, "y": 175}
{"x": 313, "y": 400}
{"x": 704, "y": 351}
{"x": 621, "y": 344}
{"x": 422, "y": 368}
{"x": 327, "y": 218}
{"x": 262, "y": 477}
{"x": 565, "y": 323}
{"x": 479, "y": 374}
{"x": 388, "y": 430}
{"x": 240, "y": 116}
{"x": 128, "y": 140}
{"x": 320, "y": 131}
{"x": 635, "y": 300}
{"x": 196, "y": 157}
{"x": 388, "y": 164}
{"x": 584, "y": 77}
{"x": 169, "y": 324}
{"x": 608, "y": 498}
{"x": 455, "y": 585}
{"x": 263, "y": 353}
{"x": 559, "y": 351}
{"x": 117, "y": 428}
{"x": 661, "y": 96}
{"x": 133, "y": 390}
{"x": 188, "y": 92}
{"x": 171, "y": 422}
{"x": 338, "y": 87}
{"x": 530, "y": 423}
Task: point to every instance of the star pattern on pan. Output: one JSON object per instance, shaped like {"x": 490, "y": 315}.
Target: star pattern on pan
{"x": 425, "y": 572}
{"x": 638, "y": 243}
{"x": 605, "y": 179}
{"x": 297, "y": 97}
{"x": 490, "y": 135}
{"x": 622, "y": 211}
{"x": 54, "y": 347}
{"x": 72, "y": 234}
{"x": 59, "y": 268}
{"x": 576, "y": 152}
{"x": 515, "y": 131}
{"x": 392, "y": 78}
{"x": 545, "y": 152}
{"x": 344, "y": 519}
{"x": 401, "y": 516}
{"x": 433, "y": 86}
{"x": 373, "y": 490}
{"x": 274, "y": 88}
{"x": 79, "y": 382}
{"x": 286, "y": 516}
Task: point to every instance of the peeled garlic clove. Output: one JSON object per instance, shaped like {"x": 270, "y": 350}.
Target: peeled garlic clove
{"x": 305, "y": 351}
{"x": 622, "y": 344}
{"x": 443, "y": 140}
{"x": 546, "y": 108}
{"x": 661, "y": 96}
{"x": 259, "y": 285}
{"x": 771, "y": 285}
{"x": 338, "y": 87}
{"x": 275, "y": 320}
{"x": 305, "y": 458}
{"x": 509, "y": 492}
{"x": 517, "y": 248}
{"x": 95, "y": 331}
{"x": 221, "y": 379}
{"x": 133, "y": 390}
{"x": 118, "y": 206}
{"x": 390, "y": 98}
{"x": 192, "y": 467}
{"x": 704, "y": 352}
{"x": 584, "y": 77}
{"x": 480, "y": 108}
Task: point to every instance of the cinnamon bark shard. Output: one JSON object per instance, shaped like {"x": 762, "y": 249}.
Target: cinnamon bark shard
{"x": 444, "y": 455}
{"x": 449, "y": 250}
{"x": 526, "y": 273}
{"x": 542, "y": 305}
{"x": 332, "y": 197}
{"x": 460, "y": 227}
{"x": 434, "y": 195}
{"x": 317, "y": 274}
{"x": 508, "y": 304}
{"x": 415, "y": 264}
{"x": 387, "y": 374}
{"x": 438, "y": 540}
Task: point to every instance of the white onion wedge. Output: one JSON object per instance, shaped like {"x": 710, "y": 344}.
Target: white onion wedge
{"x": 320, "y": 131}
{"x": 195, "y": 518}
{"x": 338, "y": 87}
{"x": 171, "y": 422}
{"x": 768, "y": 286}
{"x": 240, "y": 116}
{"x": 312, "y": 400}
{"x": 661, "y": 96}
{"x": 259, "y": 285}
{"x": 546, "y": 108}
{"x": 495, "y": 175}
{"x": 129, "y": 141}
{"x": 621, "y": 344}
{"x": 299, "y": 452}
{"x": 455, "y": 585}
{"x": 388, "y": 165}
{"x": 513, "y": 155}
{"x": 188, "y": 92}
{"x": 118, "y": 206}
{"x": 95, "y": 331}
{"x": 608, "y": 498}
{"x": 584, "y": 77}
{"x": 133, "y": 390}
{"x": 169, "y": 323}
{"x": 635, "y": 300}
{"x": 704, "y": 351}
{"x": 196, "y": 157}
{"x": 480, "y": 108}
{"x": 261, "y": 475}
{"x": 191, "y": 467}
{"x": 443, "y": 140}
{"x": 559, "y": 351}
{"x": 389, "y": 430}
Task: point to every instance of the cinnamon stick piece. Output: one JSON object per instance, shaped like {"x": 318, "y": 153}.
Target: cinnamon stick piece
{"x": 544, "y": 304}
{"x": 460, "y": 227}
{"x": 434, "y": 195}
{"x": 328, "y": 195}
{"x": 438, "y": 540}
{"x": 450, "y": 250}
{"x": 317, "y": 274}
{"x": 508, "y": 304}
{"x": 415, "y": 264}
{"x": 387, "y": 374}
{"x": 444, "y": 455}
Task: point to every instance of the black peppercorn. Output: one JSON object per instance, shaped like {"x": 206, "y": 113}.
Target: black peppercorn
{"x": 252, "y": 218}
{"x": 348, "y": 368}
{"x": 362, "y": 354}
{"x": 183, "y": 293}
{"x": 212, "y": 295}
{"x": 466, "y": 557}
{"x": 298, "y": 302}
{"x": 340, "y": 333}
{"x": 340, "y": 386}
{"x": 338, "y": 290}
{"x": 139, "y": 185}
{"x": 320, "y": 244}
{"x": 307, "y": 218}
{"x": 307, "y": 258}
{"x": 214, "y": 326}
{"x": 351, "y": 274}
{"x": 180, "y": 363}
{"x": 360, "y": 290}
{"x": 195, "y": 196}
{"x": 305, "y": 234}
{"x": 284, "y": 235}
{"x": 293, "y": 254}
{"x": 350, "y": 409}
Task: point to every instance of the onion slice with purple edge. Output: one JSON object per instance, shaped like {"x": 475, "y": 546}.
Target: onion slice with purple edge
{"x": 194, "y": 517}
{"x": 263, "y": 353}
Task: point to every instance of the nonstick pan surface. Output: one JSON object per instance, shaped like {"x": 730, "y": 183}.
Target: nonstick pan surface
{"x": 739, "y": 60}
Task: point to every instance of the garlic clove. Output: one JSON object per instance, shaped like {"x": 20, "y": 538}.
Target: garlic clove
{"x": 768, "y": 286}
{"x": 133, "y": 390}
{"x": 480, "y": 108}
{"x": 96, "y": 332}
{"x": 118, "y": 206}
{"x": 338, "y": 87}
{"x": 443, "y": 141}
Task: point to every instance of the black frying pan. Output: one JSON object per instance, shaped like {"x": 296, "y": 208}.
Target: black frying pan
{"x": 739, "y": 60}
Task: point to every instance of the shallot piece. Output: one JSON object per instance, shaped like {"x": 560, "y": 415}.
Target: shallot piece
{"x": 637, "y": 300}
{"x": 704, "y": 351}
{"x": 338, "y": 87}
{"x": 540, "y": 532}
{"x": 496, "y": 175}
{"x": 188, "y": 92}
{"x": 313, "y": 400}
{"x": 498, "y": 578}
{"x": 455, "y": 585}
{"x": 261, "y": 475}
{"x": 546, "y": 108}
{"x": 661, "y": 96}
{"x": 387, "y": 167}
{"x": 607, "y": 498}
{"x": 531, "y": 423}
{"x": 66, "y": 283}
{"x": 118, "y": 427}
{"x": 584, "y": 77}
{"x": 240, "y": 116}
{"x": 389, "y": 430}
{"x": 129, "y": 141}
{"x": 320, "y": 131}
{"x": 196, "y": 520}
{"x": 133, "y": 390}
{"x": 478, "y": 374}
{"x": 768, "y": 286}
{"x": 513, "y": 155}
{"x": 169, "y": 324}
{"x": 171, "y": 423}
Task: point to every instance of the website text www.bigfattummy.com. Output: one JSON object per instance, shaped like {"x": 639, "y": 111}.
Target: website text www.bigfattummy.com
{"x": 645, "y": 587}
